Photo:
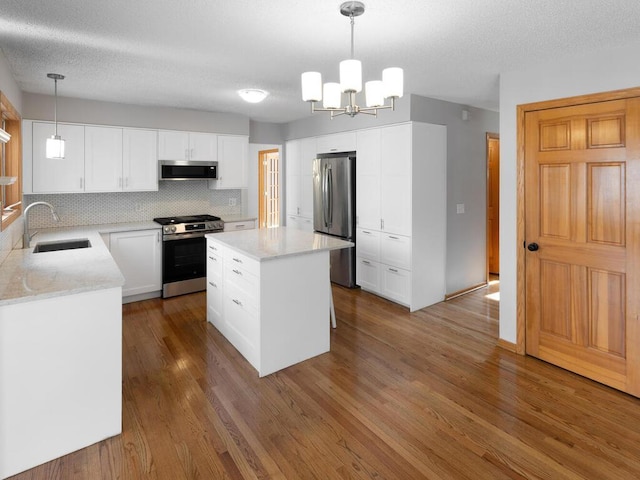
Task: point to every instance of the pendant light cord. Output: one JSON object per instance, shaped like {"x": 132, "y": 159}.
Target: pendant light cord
{"x": 55, "y": 104}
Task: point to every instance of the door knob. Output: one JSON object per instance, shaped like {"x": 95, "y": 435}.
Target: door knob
{"x": 532, "y": 247}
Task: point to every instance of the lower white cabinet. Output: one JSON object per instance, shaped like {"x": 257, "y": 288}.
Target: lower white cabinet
{"x": 139, "y": 257}
{"x": 301, "y": 223}
{"x": 235, "y": 226}
{"x": 383, "y": 264}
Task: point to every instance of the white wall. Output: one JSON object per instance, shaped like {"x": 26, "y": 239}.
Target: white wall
{"x": 592, "y": 72}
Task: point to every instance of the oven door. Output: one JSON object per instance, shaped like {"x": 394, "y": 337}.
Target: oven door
{"x": 184, "y": 258}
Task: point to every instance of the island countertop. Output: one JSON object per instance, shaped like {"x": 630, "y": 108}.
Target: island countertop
{"x": 270, "y": 243}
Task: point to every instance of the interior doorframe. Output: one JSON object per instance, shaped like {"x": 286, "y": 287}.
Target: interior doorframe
{"x": 522, "y": 110}
{"x": 489, "y": 136}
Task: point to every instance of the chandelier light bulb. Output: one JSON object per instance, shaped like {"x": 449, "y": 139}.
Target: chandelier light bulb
{"x": 331, "y": 95}
{"x": 374, "y": 93}
{"x": 393, "y": 79}
{"x": 311, "y": 86}
{"x": 351, "y": 76}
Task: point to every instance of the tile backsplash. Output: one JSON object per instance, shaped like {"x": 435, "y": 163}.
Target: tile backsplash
{"x": 172, "y": 198}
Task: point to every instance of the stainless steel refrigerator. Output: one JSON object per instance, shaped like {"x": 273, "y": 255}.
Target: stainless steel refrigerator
{"x": 334, "y": 210}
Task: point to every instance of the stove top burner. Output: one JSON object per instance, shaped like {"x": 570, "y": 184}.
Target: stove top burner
{"x": 185, "y": 219}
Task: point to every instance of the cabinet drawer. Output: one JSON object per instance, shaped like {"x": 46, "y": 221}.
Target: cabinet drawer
{"x": 239, "y": 278}
{"x": 368, "y": 274}
{"x": 395, "y": 250}
{"x": 238, "y": 259}
{"x": 396, "y": 284}
{"x": 368, "y": 244}
{"x": 235, "y": 226}
{"x": 214, "y": 263}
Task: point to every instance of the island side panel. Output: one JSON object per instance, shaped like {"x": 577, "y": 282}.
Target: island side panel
{"x": 294, "y": 320}
{"x": 60, "y": 376}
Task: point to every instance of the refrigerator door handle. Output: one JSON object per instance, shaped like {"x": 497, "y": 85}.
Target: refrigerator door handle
{"x": 324, "y": 195}
{"x": 330, "y": 194}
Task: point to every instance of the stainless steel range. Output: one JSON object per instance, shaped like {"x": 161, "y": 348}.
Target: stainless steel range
{"x": 184, "y": 252}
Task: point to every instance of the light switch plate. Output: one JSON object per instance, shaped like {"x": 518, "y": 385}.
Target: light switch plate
{"x": 460, "y": 208}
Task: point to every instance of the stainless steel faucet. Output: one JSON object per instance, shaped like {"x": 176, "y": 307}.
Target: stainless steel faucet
{"x": 26, "y": 238}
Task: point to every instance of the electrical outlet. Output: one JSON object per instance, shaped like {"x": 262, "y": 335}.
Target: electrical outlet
{"x": 138, "y": 207}
{"x": 232, "y": 201}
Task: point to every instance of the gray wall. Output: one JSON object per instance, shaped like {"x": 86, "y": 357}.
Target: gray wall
{"x": 40, "y": 107}
{"x": 268, "y": 133}
{"x": 466, "y": 184}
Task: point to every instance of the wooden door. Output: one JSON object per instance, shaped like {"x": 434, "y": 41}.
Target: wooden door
{"x": 493, "y": 203}
{"x": 582, "y": 230}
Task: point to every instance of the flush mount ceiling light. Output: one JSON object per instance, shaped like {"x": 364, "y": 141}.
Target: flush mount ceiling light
{"x": 376, "y": 91}
{"x": 55, "y": 144}
{"x": 253, "y": 95}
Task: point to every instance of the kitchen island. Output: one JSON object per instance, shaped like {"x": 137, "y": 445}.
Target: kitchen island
{"x": 269, "y": 294}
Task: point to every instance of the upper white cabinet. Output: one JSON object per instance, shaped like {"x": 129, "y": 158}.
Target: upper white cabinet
{"x": 54, "y": 176}
{"x": 395, "y": 179}
{"x": 103, "y": 159}
{"x": 368, "y": 179}
{"x": 139, "y": 159}
{"x": 299, "y": 177}
{"x": 233, "y": 161}
{"x": 97, "y": 159}
{"x": 178, "y": 145}
{"x": 337, "y": 142}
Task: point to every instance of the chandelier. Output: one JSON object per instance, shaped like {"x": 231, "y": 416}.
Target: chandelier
{"x": 376, "y": 91}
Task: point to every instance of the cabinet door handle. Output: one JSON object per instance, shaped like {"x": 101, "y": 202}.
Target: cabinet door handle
{"x": 393, "y": 238}
{"x": 366, "y": 233}
{"x": 366, "y": 262}
{"x": 237, "y": 272}
{"x": 237, "y": 302}
{"x": 186, "y": 154}
{"x": 157, "y": 237}
{"x": 213, "y": 285}
{"x": 393, "y": 270}
{"x": 213, "y": 248}
{"x": 213, "y": 258}
{"x": 192, "y": 155}
{"x": 80, "y": 182}
{"x": 237, "y": 260}
{"x": 241, "y": 225}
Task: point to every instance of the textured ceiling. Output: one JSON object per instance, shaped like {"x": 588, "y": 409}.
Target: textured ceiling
{"x": 197, "y": 53}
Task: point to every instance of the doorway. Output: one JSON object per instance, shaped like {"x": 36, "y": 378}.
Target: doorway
{"x": 579, "y": 224}
{"x": 268, "y": 188}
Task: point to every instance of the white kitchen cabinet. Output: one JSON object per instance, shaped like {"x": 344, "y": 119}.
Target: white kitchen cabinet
{"x": 299, "y": 182}
{"x": 102, "y": 159}
{"x": 139, "y": 258}
{"x": 139, "y": 160}
{"x": 337, "y": 142}
{"x": 400, "y": 205}
{"x": 233, "y": 159}
{"x": 179, "y": 145}
{"x": 56, "y": 176}
{"x": 97, "y": 159}
{"x": 235, "y": 226}
{"x": 275, "y": 311}
{"x": 395, "y": 178}
{"x": 368, "y": 179}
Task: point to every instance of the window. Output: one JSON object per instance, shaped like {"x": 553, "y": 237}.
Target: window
{"x": 268, "y": 189}
{"x": 10, "y": 163}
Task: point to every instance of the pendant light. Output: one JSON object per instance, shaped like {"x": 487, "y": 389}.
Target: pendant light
{"x": 55, "y": 144}
{"x": 376, "y": 91}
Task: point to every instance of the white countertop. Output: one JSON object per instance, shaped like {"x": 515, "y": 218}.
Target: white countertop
{"x": 27, "y": 276}
{"x": 270, "y": 243}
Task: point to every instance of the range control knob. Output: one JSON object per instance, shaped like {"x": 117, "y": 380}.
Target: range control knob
{"x": 173, "y": 229}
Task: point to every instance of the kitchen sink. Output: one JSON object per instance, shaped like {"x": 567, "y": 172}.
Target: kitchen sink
{"x": 62, "y": 245}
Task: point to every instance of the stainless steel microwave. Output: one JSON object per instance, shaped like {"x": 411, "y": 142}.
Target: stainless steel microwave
{"x": 187, "y": 170}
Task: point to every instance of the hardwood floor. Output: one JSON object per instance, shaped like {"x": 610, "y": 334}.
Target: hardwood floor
{"x": 400, "y": 396}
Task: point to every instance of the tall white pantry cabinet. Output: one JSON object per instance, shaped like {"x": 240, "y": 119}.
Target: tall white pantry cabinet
{"x": 401, "y": 176}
